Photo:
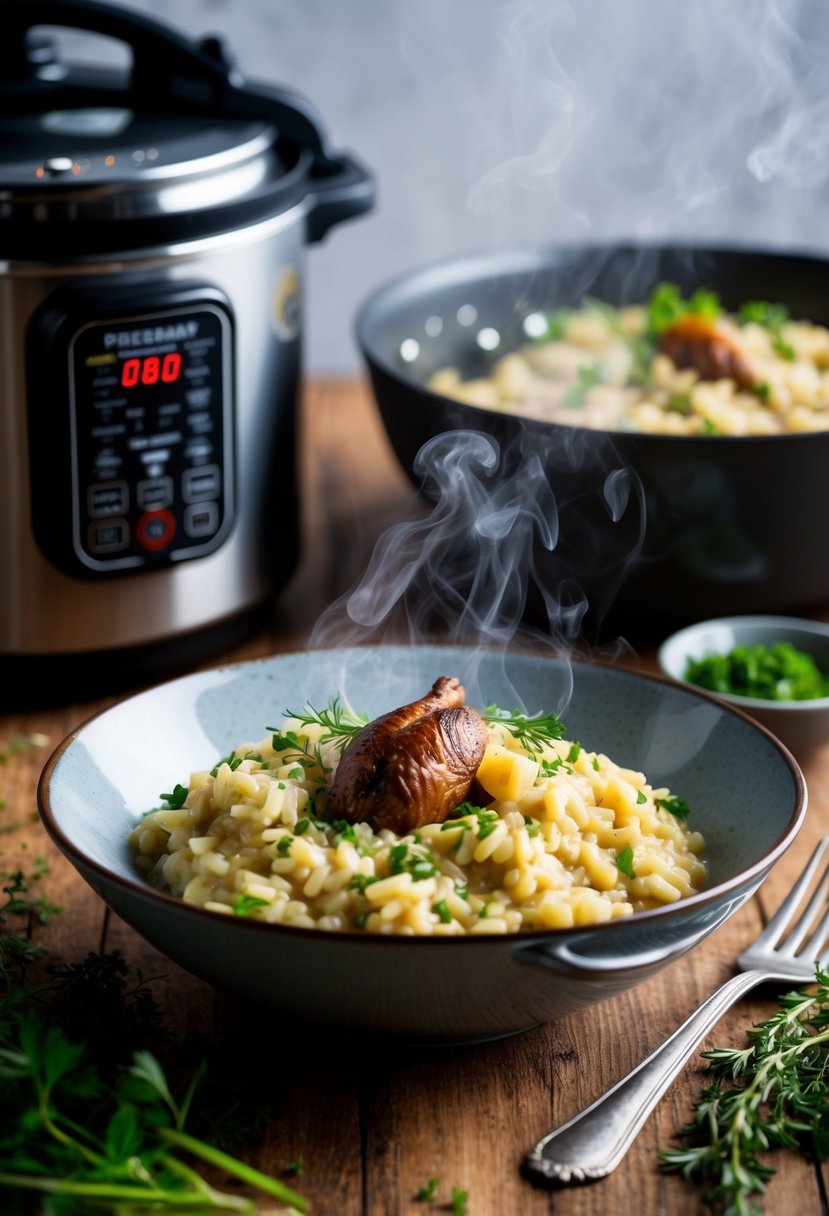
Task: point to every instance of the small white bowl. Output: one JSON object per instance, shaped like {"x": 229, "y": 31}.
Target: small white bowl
{"x": 800, "y": 725}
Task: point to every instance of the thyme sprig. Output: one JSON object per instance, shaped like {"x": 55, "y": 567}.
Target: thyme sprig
{"x": 533, "y": 733}
{"x": 339, "y": 723}
{"x": 772, "y": 1094}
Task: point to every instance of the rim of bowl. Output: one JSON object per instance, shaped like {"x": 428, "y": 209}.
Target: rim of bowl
{"x": 522, "y": 937}
{"x": 803, "y": 625}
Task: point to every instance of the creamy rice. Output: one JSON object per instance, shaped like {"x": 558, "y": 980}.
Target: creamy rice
{"x": 587, "y": 376}
{"x": 567, "y": 837}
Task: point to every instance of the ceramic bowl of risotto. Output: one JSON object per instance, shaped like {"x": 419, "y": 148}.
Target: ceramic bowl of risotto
{"x": 612, "y": 822}
{"x": 662, "y": 408}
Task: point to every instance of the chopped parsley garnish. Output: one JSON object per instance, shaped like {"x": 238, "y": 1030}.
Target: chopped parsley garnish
{"x": 679, "y": 403}
{"x": 624, "y": 862}
{"x": 287, "y": 742}
{"x": 177, "y": 798}
{"x": 641, "y": 797}
{"x": 574, "y": 753}
{"x": 596, "y": 765}
{"x": 676, "y": 805}
{"x": 548, "y": 768}
{"x": 532, "y": 825}
{"x": 784, "y": 349}
{"x": 296, "y": 774}
{"x": 232, "y": 760}
{"x": 761, "y": 312}
{"x": 587, "y": 377}
{"x": 302, "y": 826}
{"x": 778, "y": 672}
{"x": 442, "y": 910}
{"x": 533, "y": 733}
{"x": 283, "y": 846}
{"x": 343, "y": 830}
{"x": 243, "y": 905}
{"x": 486, "y": 821}
{"x": 359, "y": 882}
{"x": 709, "y": 427}
{"x": 419, "y": 864}
{"x": 772, "y": 317}
{"x": 462, "y": 809}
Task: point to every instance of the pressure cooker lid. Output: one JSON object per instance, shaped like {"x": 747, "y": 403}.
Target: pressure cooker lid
{"x": 111, "y": 162}
{"x": 175, "y": 147}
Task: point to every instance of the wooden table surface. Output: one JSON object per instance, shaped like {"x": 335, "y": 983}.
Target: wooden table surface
{"x": 372, "y": 1126}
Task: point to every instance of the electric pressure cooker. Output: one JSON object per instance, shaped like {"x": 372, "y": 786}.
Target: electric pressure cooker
{"x": 153, "y": 224}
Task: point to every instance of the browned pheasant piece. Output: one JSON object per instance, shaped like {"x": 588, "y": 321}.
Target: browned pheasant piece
{"x": 411, "y": 766}
{"x": 700, "y": 343}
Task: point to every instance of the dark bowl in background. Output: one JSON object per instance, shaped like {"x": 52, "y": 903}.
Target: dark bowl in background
{"x": 654, "y": 531}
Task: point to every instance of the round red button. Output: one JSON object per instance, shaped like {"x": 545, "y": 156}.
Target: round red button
{"x": 155, "y": 529}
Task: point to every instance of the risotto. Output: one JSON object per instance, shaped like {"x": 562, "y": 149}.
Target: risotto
{"x": 631, "y": 369}
{"x": 557, "y": 836}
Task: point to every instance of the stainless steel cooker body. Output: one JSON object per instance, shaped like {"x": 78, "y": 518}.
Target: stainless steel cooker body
{"x": 153, "y": 229}
{"x": 256, "y": 278}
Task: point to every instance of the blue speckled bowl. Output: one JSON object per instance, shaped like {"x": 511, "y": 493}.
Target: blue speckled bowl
{"x": 747, "y": 793}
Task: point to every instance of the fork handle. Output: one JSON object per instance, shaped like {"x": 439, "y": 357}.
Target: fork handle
{"x": 593, "y": 1143}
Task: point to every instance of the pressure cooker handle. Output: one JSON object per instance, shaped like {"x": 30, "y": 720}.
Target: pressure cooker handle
{"x": 166, "y": 65}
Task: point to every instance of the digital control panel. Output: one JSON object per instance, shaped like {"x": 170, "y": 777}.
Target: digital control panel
{"x": 148, "y": 459}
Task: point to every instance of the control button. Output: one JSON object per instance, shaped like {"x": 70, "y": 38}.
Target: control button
{"x": 201, "y": 519}
{"x": 155, "y": 529}
{"x": 108, "y": 537}
{"x": 107, "y": 498}
{"x": 153, "y": 495}
{"x": 204, "y": 482}
{"x": 57, "y": 165}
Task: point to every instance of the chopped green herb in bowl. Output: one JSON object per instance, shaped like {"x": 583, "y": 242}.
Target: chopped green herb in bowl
{"x": 775, "y": 668}
{"x": 775, "y": 672}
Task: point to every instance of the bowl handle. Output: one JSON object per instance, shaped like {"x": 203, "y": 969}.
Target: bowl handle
{"x": 565, "y": 959}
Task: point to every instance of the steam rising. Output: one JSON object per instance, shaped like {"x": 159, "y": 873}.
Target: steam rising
{"x": 654, "y": 119}
{"x": 482, "y": 566}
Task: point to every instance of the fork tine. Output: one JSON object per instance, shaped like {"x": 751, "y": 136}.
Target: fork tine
{"x": 814, "y": 948}
{"x": 779, "y": 922}
{"x": 803, "y": 926}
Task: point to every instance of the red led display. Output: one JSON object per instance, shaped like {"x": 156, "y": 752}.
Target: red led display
{"x": 151, "y": 370}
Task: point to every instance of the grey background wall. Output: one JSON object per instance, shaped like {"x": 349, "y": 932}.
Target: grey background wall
{"x": 494, "y": 122}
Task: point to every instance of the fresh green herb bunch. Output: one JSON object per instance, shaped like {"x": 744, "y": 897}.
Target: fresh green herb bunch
{"x": 773, "y": 1094}
{"x": 778, "y": 672}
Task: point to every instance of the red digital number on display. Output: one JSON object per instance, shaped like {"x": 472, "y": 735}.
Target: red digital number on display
{"x": 151, "y": 370}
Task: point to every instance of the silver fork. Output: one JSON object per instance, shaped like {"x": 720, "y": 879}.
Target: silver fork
{"x": 592, "y": 1144}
